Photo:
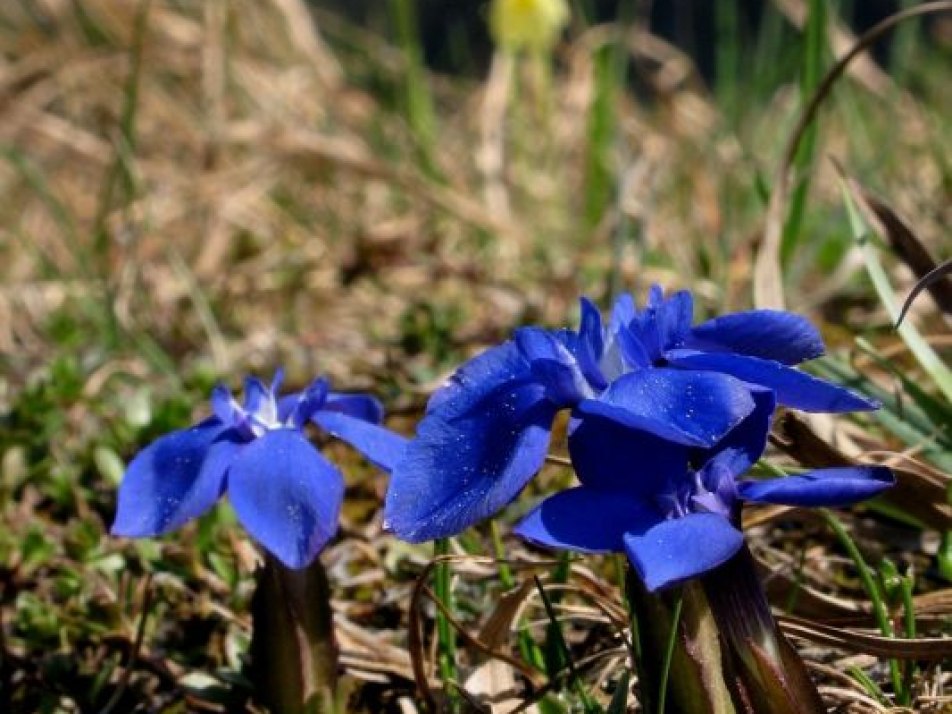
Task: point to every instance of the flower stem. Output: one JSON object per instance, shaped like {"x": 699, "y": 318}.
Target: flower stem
{"x": 446, "y": 638}
{"x": 768, "y": 675}
{"x": 294, "y": 654}
{"x": 677, "y": 643}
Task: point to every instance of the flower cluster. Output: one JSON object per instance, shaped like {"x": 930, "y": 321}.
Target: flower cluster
{"x": 284, "y": 492}
{"x": 665, "y": 416}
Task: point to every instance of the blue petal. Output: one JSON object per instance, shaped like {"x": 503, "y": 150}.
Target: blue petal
{"x": 823, "y": 487}
{"x": 633, "y": 351}
{"x": 590, "y": 329}
{"x": 498, "y": 368}
{"x": 297, "y": 409}
{"x": 674, "y": 318}
{"x": 655, "y": 297}
{"x": 589, "y": 345}
{"x": 276, "y": 381}
{"x": 613, "y": 457}
{"x": 681, "y": 548}
{"x": 587, "y": 520}
{"x": 224, "y": 405}
{"x": 664, "y": 323}
{"x": 770, "y": 334}
{"x": 259, "y": 400}
{"x": 382, "y": 447}
{"x": 793, "y": 388}
{"x": 693, "y": 408}
{"x": 552, "y": 363}
{"x": 621, "y": 351}
{"x": 359, "y": 406}
{"x": 286, "y": 495}
{"x": 647, "y": 335}
{"x": 459, "y": 471}
{"x": 623, "y": 312}
{"x": 745, "y": 443}
{"x": 176, "y": 478}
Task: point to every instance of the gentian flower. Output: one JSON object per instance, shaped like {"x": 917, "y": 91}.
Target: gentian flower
{"x": 284, "y": 492}
{"x": 675, "y": 509}
{"x": 486, "y": 432}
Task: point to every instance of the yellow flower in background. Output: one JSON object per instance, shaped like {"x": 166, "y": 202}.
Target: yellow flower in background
{"x": 528, "y": 24}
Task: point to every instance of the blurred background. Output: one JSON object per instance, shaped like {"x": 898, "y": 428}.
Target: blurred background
{"x": 375, "y": 191}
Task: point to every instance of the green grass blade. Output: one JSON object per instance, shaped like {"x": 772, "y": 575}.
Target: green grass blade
{"x": 619, "y": 702}
{"x": 446, "y": 638}
{"x": 669, "y": 654}
{"x": 866, "y": 682}
{"x": 921, "y": 350}
{"x": 811, "y": 74}
{"x": 588, "y": 704}
{"x": 418, "y": 101}
{"x": 869, "y": 585}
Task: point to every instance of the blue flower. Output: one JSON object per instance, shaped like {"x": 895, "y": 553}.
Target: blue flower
{"x": 675, "y": 510}
{"x": 486, "y": 432}
{"x": 284, "y": 492}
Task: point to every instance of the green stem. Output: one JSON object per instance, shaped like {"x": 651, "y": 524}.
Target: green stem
{"x": 446, "y": 638}
{"x": 419, "y": 103}
{"x": 555, "y": 630}
{"x": 909, "y": 612}
{"x": 694, "y": 665}
{"x": 865, "y": 576}
{"x": 669, "y": 653}
{"x": 294, "y": 654}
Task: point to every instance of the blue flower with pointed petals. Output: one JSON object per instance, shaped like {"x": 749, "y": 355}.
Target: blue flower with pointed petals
{"x": 486, "y": 432}
{"x": 284, "y": 492}
{"x": 675, "y": 509}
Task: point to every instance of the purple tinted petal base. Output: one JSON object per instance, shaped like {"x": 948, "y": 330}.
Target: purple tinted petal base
{"x": 586, "y": 520}
{"x": 823, "y": 487}
{"x": 174, "y": 479}
{"x": 286, "y": 495}
{"x": 682, "y": 548}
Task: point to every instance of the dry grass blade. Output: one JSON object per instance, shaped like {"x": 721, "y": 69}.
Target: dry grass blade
{"x": 136, "y": 646}
{"x": 768, "y": 278}
{"x": 933, "y": 281}
{"x": 922, "y": 648}
{"x": 580, "y": 665}
{"x": 909, "y": 248}
{"x": 853, "y": 701}
{"x": 362, "y": 651}
{"x": 526, "y": 670}
{"x": 415, "y": 624}
{"x": 496, "y": 628}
